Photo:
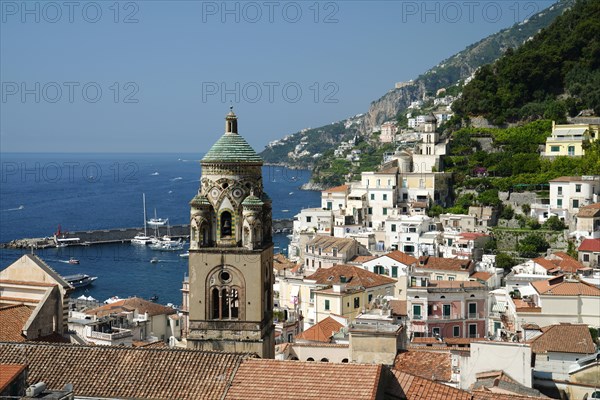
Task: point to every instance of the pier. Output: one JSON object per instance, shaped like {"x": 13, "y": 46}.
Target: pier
{"x": 116, "y": 235}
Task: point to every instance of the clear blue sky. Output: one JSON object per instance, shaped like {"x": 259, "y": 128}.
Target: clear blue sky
{"x": 175, "y": 58}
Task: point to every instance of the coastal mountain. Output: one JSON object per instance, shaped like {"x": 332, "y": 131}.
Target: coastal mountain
{"x": 303, "y": 149}
{"x": 555, "y": 73}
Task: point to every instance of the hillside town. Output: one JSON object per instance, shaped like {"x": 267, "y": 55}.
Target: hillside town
{"x": 374, "y": 292}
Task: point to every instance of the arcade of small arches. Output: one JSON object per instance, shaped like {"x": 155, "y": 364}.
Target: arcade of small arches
{"x": 225, "y": 294}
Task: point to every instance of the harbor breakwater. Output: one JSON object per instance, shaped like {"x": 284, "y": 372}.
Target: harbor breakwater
{"x": 116, "y": 235}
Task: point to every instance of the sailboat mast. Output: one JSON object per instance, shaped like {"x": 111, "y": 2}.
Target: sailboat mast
{"x": 144, "y": 201}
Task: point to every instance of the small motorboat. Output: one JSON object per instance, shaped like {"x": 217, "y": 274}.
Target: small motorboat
{"x": 154, "y": 260}
{"x": 185, "y": 255}
{"x": 154, "y": 298}
{"x": 73, "y": 261}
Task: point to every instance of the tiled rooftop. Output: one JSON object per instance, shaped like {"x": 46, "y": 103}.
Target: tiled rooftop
{"x": 411, "y": 387}
{"x": 558, "y": 286}
{"x": 355, "y": 277}
{"x": 481, "y": 276}
{"x": 280, "y": 380}
{"x": 8, "y": 373}
{"x": 560, "y": 260}
{"x": 446, "y": 264}
{"x": 281, "y": 262}
{"x": 327, "y": 243}
{"x": 398, "y": 307}
{"x": 401, "y": 257}
{"x": 589, "y": 211}
{"x": 134, "y": 303}
{"x": 564, "y": 338}
{"x": 322, "y": 331}
{"x": 592, "y": 245}
{"x": 341, "y": 188}
{"x": 430, "y": 365}
{"x": 125, "y": 372}
{"x": 12, "y": 320}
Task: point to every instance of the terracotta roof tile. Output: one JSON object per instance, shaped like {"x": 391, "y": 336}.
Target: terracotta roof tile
{"x": 446, "y": 264}
{"x": 589, "y": 211}
{"x": 564, "y": 338}
{"x": 125, "y": 372}
{"x": 398, "y": 307}
{"x": 13, "y": 318}
{"x": 281, "y": 380}
{"x": 560, "y": 260}
{"x": 355, "y": 277}
{"x": 558, "y": 286}
{"x": 341, "y": 188}
{"x": 592, "y": 245}
{"x": 322, "y": 331}
{"x": 401, "y": 257}
{"x": 327, "y": 243}
{"x": 281, "y": 262}
{"x": 481, "y": 276}
{"x": 134, "y": 303}
{"x": 362, "y": 259}
{"x": 430, "y": 365}
{"x": 8, "y": 373}
{"x": 411, "y": 387}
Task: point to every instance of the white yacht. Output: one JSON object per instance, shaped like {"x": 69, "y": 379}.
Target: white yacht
{"x": 140, "y": 238}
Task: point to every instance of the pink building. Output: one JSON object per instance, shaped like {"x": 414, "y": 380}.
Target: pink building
{"x": 446, "y": 309}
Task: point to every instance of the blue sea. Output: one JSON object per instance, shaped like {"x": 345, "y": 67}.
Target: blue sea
{"x": 39, "y": 192}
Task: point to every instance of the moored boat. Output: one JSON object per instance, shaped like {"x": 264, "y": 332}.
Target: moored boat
{"x": 73, "y": 261}
{"x": 80, "y": 280}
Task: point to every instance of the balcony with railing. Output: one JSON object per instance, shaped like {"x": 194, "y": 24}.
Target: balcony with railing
{"x": 114, "y": 335}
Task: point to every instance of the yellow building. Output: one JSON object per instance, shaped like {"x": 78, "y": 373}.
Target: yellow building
{"x": 348, "y": 290}
{"x": 569, "y": 140}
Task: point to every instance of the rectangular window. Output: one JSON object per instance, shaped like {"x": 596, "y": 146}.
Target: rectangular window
{"x": 554, "y": 148}
{"x": 312, "y": 296}
{"x": 560, "y": 190}
{"x": 446, "y": 310}
{"x": 384, "y": 211}
{"x": 451, "y": 278}
{"x": 370, "y": 211}
{"x": 416, "y": 311}
{"x": 472, "y": 330}
{"x": 394, "y": 272}
{"x": 372, "y": 196}
{"x": 370, "y": 297}
{"x": 308, "y": 219}
{"x": 409, "y": 249}
{"x": 326, "y": 305}
{"x": 578, "y": 188}
{"x": 571, "y": 150}
{"x": 393, "y": 227}
{"x": 385, "y": 197}
{"x": 472, "y": 310}
{"x": 456, "y": 331}
{"x": 559, "y": 203}
{"x": 435, "y": 331}
{"x": 356, "y": 302}
{"x": 575, "y": 203}
{"x": 329, "y": 205}
{"x": 586, "y": 257}
{"x": 439, "y": 278}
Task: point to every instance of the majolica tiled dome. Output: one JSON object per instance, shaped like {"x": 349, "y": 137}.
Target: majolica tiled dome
{"x": 231, "y": 147}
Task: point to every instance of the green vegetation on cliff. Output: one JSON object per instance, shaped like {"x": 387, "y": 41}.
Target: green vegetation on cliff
{"x": 556, "y": 72}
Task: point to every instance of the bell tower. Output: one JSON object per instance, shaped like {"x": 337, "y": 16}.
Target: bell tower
{"x": 230, "y": 299}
